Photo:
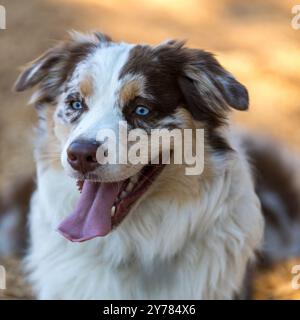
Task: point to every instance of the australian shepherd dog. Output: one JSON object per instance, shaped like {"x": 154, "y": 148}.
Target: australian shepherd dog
{"x": 137, "y": 230}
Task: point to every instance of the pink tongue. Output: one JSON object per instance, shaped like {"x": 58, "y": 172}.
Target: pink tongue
{"x": 92, "y": 216}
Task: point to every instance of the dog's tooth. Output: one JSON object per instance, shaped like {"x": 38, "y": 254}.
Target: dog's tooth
{"x": 113, "y": 210}
{"x": 130, "y": 186}
{"x": 123, "y": 194}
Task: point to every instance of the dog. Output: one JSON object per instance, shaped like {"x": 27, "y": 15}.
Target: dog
{"x": 137, "y": 231}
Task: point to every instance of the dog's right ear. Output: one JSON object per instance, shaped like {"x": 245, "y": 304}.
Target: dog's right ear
{"x": 55, "y": 65}
{"x": 37, "y": 70}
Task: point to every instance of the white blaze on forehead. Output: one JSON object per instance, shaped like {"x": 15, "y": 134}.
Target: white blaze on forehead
{"x": 103, "y": 67}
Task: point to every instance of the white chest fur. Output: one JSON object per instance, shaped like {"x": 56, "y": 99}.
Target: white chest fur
{"x": 189, "y": 239}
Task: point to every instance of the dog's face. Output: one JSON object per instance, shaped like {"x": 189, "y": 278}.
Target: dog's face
{"x": 92, "y": 83}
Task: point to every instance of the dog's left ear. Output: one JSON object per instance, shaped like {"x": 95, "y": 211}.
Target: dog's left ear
{"x": 206, "y": 84}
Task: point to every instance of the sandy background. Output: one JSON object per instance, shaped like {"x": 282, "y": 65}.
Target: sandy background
{"x": 253, "y": 39}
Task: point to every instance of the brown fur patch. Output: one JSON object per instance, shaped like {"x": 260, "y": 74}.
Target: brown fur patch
{"x": 130, "y": 90}
{"x": 86, "y": 86}
{"x": 170, "y": 82}
{"x": 174, "y": 72}
{"x": 161, "y": 93}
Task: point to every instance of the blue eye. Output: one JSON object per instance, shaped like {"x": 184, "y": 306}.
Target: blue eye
{"x": 76, "y": 105}
{"x": 142, "y": 111}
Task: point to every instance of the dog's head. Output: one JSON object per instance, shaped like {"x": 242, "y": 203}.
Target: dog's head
{"x": 92, "y": 83}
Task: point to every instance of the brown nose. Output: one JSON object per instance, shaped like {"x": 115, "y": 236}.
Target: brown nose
{"x": 82, "y": 155}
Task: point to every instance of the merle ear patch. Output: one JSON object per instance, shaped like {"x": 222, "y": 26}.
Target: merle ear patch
{"x": 53, "y": 68}
{"x": 215, "y": 85}
{"x": 234, "y": 93}
{"x": 36, "y": 71}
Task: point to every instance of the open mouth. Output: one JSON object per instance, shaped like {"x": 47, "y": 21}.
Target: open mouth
{"x": 102, "y": 206}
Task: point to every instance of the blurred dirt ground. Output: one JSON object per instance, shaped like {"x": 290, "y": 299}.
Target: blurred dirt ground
{"x": 253, "y": 39}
